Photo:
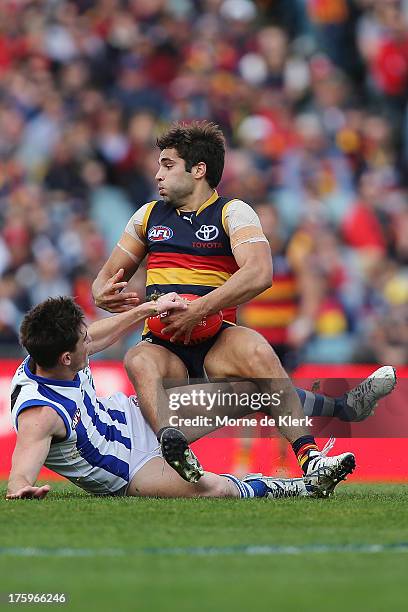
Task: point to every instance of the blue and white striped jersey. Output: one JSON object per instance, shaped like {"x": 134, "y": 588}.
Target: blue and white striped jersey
{"x": 95, "y": 454}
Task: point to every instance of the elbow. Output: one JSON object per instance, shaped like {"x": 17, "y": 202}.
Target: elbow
{"x": 94, "y": 286}
{"x": 266, "y": 284}
{"x": 266, "y": 276}
{"x": 259, "y": 276}
{"x": 263, "y": 281}
{"x": 97, "y": 285}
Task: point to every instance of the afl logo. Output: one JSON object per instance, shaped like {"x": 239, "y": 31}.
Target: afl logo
{"x": 159, "y": 232}
{"x": 207, "y": 232}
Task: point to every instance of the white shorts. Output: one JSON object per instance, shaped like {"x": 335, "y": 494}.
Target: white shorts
{"x": 144, "y": 442}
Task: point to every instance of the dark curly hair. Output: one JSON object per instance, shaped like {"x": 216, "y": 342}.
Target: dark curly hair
{"x": 200, "y": 141}
{"x": 51, "y": 328}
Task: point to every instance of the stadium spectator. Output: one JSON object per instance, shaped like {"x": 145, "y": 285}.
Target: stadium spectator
{"x": 86, "y": 87}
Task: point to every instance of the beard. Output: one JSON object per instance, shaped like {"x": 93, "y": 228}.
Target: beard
{"x": 175, "y": 198}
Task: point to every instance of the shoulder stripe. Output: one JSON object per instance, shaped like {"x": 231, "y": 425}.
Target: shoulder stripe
{"x": 146, "y": 216}
{"x": 33, "y": 403}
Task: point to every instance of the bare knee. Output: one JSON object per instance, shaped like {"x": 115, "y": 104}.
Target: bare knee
{"x": 153, "y": 362}
{"x": 262, "y": 360}
{"x": 242, "y": 352}
{"x": 137, "y": 364}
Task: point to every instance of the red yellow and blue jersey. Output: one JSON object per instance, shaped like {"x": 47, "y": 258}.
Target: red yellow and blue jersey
{"x": 188, "y": 252}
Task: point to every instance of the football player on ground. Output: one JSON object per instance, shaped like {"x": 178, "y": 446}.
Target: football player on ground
{"x": 199, "y": 243}
{"x": 103, "y": 445}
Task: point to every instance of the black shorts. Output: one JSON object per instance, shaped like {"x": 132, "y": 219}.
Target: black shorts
{"x": 191, "y": 355}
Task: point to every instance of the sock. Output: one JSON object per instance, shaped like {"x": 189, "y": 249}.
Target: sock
{"x": 316, "y": 404}
{"x": 255, "y": 488}
{"x": 259, "y": 488}
{"x": 342, "y": 410}
{"x": 305, "y": 448}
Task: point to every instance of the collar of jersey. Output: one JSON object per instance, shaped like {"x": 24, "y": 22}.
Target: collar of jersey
{"x": 51, "y": 381}
{"x": 213, "y": 198}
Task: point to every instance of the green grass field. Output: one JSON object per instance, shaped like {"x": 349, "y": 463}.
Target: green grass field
{"x": 193, "y": 555}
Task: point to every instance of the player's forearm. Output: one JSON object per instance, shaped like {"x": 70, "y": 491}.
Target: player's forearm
{"x": 28, "y": 459}
{"x": 124, "y": 260}
{"x": 99, "y": 283}
{"x": 244, "y": 285}
{"x": 109, "y": 287}
{"x": 110, "y": 268}
{"x": 106, "y": 332}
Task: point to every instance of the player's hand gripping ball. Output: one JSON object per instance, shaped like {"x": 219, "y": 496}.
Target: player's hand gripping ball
{"x": 205, "y": 329}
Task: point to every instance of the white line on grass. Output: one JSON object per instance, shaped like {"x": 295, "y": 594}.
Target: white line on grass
{"x": 203, "y": 551}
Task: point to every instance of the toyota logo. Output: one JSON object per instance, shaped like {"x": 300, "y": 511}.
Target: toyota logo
{"x": 207, "y": 232}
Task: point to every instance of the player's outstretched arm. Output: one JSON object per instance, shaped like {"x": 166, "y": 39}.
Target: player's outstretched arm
{"x": 105, "y": 332}
{"x": 36, "y": 428}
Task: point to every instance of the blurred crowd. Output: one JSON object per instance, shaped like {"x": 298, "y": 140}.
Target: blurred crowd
{"x": 312, "y": 98}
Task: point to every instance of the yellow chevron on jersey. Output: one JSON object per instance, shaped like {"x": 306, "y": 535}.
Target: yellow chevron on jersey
{"x": 146, "y": 216}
